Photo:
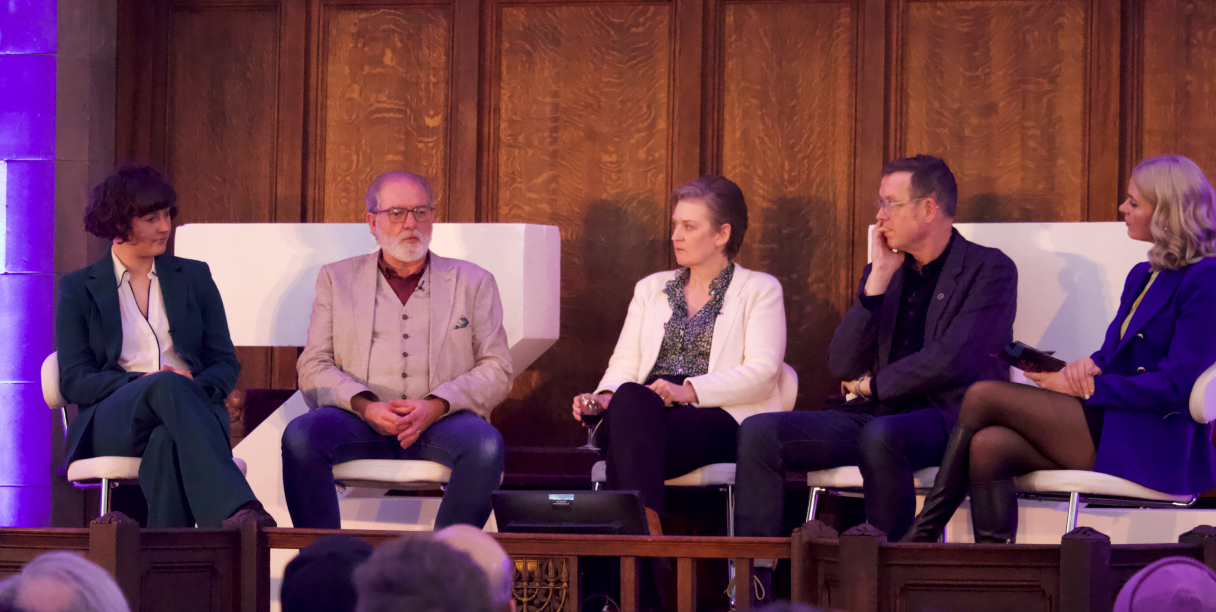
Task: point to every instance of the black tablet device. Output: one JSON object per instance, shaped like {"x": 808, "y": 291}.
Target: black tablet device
{"x": 581, "y": 512}
{"x": 1029, "y": 359}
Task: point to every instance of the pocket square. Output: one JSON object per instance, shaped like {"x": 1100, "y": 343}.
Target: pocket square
{"x": 463, "y": 323}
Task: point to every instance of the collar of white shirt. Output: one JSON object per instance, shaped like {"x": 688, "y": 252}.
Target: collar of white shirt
{"x": 120, "y": 271}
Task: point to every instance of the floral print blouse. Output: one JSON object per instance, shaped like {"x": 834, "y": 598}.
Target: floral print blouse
{"x": 686, "y": 342}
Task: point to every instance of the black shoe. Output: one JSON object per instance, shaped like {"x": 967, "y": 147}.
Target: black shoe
{"x": 250, "y": 512}
{"x": 949, "y": 489}
{"x": 994, "y": 512}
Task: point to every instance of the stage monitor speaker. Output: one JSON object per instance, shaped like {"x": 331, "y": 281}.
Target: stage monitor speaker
{"x": 571, "y": 512}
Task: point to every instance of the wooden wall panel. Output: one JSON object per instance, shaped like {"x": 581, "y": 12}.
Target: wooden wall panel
{"x": 787, "y": 140}
{"x": 1178, "y": 87}
{"x": 582, "y": 143}
{"x": 997, "y": 90}
{"x": 220, "y": 137}
{"x": 383, "y": 99}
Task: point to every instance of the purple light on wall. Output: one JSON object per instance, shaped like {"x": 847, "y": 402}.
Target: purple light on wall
{"x": 27, "y": 253}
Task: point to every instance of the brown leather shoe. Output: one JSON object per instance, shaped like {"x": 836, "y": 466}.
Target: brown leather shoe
{"x": 250, "y": 512}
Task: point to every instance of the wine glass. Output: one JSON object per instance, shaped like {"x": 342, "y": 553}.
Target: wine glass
{"x": 592, "y": 413}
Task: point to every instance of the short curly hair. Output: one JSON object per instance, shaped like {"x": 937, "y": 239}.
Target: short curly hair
{"x": 129, "y": 192}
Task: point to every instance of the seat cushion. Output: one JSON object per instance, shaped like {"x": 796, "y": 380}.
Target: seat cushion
{"x": 117, "y": 468}
{"x": 392, "y": 474}
{"x": 1092, "y": 483}
{"x": 113, "y": 468}
{"x": 849, "y": 477}
{"x": 714, "y": 474}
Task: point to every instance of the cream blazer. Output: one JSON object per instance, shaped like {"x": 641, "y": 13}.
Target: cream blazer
{"x": 746, "y": 371}
{"x": 469, "y": 361}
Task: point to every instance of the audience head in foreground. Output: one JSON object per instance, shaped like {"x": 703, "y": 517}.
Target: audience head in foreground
{"x": 62, "y": 582}
{"x": 489, "y": 555}
{"x": 1174, "y": 584}
{"x": 420, "y": 574}
{"x": 321, "y": 577}
{"x": 1171, "y": 204}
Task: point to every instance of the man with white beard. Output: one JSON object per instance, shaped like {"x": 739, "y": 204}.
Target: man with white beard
{"x": 405, "y": 359}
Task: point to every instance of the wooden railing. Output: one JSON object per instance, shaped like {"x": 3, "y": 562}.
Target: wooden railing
{"x": 189, "y": 570}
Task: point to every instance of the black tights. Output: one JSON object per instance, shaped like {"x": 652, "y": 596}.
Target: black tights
{"x": 1021, "y": 429}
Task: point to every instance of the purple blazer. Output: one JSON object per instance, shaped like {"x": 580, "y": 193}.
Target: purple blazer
{"x": 1148, "y": 436}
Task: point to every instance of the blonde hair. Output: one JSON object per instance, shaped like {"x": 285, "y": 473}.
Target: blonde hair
{"x": 1184, "y": 211}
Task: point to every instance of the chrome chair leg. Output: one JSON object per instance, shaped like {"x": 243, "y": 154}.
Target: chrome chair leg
{"x": 1074, "y": 500}
{"x": 596, "y": 486}
{"x": 106, "y": 485}
{"x": 813, "y": 504}
{"x": 730, "y": 531}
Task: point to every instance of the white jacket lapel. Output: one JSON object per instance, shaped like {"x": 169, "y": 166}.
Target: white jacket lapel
{"x": 443, "y": 293}
{"x": 732, "y": 309}
{"x": 363, "y": 301}
{"x": 657, "y": 315}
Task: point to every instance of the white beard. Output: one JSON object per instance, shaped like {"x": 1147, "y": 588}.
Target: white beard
{"x": 402, "y": 250}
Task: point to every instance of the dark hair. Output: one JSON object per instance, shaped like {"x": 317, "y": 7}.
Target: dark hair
{"x": 321, "y": 577}
{"x": 726, "y": 206}
{"x": 129, "y": 192}
{"x": 421, "y": 575}
{"x": 931, "y": 178}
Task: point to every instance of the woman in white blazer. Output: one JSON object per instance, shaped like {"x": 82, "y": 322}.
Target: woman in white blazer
{"x": 702, "y": 349}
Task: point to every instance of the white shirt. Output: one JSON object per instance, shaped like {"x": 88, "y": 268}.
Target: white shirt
{"x": 146, "y": 343}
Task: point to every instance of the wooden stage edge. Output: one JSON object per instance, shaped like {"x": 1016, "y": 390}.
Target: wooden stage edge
{"x": 228, "y": 570}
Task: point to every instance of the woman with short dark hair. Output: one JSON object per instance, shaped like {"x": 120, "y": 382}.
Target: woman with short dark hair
{"x": 144, "y": 352}
{"x": 702, "y": 349}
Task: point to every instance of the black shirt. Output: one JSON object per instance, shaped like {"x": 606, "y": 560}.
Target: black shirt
{"x": 909, "y": 335}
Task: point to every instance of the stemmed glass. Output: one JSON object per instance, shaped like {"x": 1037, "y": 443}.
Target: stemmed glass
{"x": 592, "y": 412}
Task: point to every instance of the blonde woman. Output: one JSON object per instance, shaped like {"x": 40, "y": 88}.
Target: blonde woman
{"x": 1123, "y": 410}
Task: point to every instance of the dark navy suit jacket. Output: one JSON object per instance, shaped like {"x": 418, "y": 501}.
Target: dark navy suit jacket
{"x": 1148, "y": 435}
{"x": 88, "y": 335}
{"x": 969, "y": 320}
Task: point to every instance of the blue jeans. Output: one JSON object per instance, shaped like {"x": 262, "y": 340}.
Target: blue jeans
{"x": 313, "y": 443}
{"x": 887, "y": 449}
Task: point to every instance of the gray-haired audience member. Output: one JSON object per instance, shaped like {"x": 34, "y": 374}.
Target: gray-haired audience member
{"x": 489, "y": 555}
{"x": 321, "y": 577}
{"x": 1173, "y": 584}
{"x": 420, "y": 574}
{"x": 62, "y": 582}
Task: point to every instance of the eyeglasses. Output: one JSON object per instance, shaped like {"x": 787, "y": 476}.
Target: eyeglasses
{"x": 422, "y": 214}
{"x": 887, "y": 207}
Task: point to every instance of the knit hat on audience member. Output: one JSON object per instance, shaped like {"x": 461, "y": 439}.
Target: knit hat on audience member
{"x": 320, "y": 578}
{"x": 1173, "y": 584}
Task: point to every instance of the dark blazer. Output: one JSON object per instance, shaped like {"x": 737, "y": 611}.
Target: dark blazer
{"x": 1148, "y": 435}
{"x": 969, "y": 320}
{"x": 88, "y": 335}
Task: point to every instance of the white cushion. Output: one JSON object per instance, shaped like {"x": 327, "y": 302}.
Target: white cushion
{"x": 1093, "y": 483}
{"x": 1203, "y": 397}
{"x": 117, "y": 468}
{"x": 849, "y": 477}
{"x": 50, "y": 383}
{"x": 392, "y": 474}
{"x": 113, "y": 468}
{"x": 714, "y": 474}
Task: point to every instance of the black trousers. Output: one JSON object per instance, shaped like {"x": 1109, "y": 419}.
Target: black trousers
{"x": 646, "y": 443}
{"x": 887, "y": 449}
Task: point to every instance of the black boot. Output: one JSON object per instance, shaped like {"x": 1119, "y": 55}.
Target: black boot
{"x": 994, "y": 511}
{"x": 949, "y": 489}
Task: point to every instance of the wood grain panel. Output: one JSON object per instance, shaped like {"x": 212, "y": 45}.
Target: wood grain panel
{"x": 788, "y": 142}
{"x": 1179, "y": 82}
{"x": 582, "y": 143}
{"x": 384, "y": 98}
{"x": 220, "y": 136}
{"x": 221, "y": 126}
{"x": 997, "y": 90}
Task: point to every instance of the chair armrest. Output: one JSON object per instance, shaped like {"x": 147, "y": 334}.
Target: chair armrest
{"x": 50, "y": 383}
{"x": 1203, "y": 397}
